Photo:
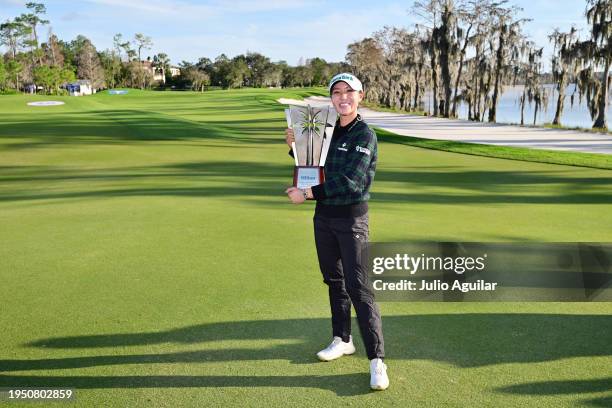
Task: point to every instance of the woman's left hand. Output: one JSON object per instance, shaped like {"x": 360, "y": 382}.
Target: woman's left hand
{"x": 295, "y": 195}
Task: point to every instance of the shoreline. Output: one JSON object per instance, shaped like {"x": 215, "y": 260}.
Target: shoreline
{"x": 496, "y": 134}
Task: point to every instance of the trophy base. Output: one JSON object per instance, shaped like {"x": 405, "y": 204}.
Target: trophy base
{"x": 307, "y": 176}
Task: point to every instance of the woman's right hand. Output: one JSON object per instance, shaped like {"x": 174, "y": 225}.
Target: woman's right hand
{"x": 289, "y": 137}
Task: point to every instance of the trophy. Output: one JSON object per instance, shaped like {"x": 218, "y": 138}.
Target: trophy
{"x": 313, "y": 128}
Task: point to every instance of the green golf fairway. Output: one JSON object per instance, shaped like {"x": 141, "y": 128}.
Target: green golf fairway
{"x": 149, "y": 257}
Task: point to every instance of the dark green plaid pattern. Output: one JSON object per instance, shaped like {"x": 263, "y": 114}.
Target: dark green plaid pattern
{"x": 350, "y": 166}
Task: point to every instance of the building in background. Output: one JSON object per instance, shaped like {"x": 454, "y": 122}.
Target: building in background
{"x": 80, "y": 88}
{"x": 158, "y": 72}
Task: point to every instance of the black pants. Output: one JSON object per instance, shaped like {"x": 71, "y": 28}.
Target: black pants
{"x": 340, "y": 242}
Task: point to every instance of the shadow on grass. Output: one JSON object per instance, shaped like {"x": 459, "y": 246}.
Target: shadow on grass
{"x": 568, "y": 387}
{"x": 605, "y": 402}
{"x": 493, "y": 338}
{"x": 464, "y": 340}
{"x": 341, "y": 384}
{"x": 114, "y": 126}
{"x": 260, "y": 180}
{"x": 560, "y": 387}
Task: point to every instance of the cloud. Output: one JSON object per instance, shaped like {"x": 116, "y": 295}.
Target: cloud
{"x": 249, "y": 6}
{"x": 186, "y": 9}
{"x": 73, "y": 15}
{"x": 159, "y": 7}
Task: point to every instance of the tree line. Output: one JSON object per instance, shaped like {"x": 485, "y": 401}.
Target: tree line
{"x": 31, "y": 64}
{"x": 255, "y": 70}
{"x": 466, "y": 51}
{"x": 461, "y": 51}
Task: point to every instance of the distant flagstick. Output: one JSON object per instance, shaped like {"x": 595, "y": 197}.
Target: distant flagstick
{"x": 288, "y": 117}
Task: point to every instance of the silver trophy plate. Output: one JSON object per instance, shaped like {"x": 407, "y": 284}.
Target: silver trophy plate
{"x": 312, "y": 127}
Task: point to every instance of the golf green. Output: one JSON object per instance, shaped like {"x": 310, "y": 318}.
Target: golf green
{"x": 148, "y": 257}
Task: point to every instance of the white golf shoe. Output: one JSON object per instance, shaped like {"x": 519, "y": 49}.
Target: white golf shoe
{"x": 378, "y": 375}
{"x": 336, "y": 349}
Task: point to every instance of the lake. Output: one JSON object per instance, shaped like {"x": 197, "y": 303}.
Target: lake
{"x": 508, "y": 109}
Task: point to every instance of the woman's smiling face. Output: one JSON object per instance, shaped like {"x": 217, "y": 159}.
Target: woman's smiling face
{"x": 345, "y": 99}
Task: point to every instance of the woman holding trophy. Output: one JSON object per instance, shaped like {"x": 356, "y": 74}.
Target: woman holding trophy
{"x": 341, "y": 227}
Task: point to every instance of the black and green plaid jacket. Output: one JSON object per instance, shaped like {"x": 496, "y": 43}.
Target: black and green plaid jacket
{"x": 350, "y": 165}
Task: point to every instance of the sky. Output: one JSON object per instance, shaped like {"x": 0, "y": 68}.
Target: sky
{"x": 288, "y": 30}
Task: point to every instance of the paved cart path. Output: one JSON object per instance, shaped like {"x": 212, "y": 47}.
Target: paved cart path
{"x": 476, "y": 132}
